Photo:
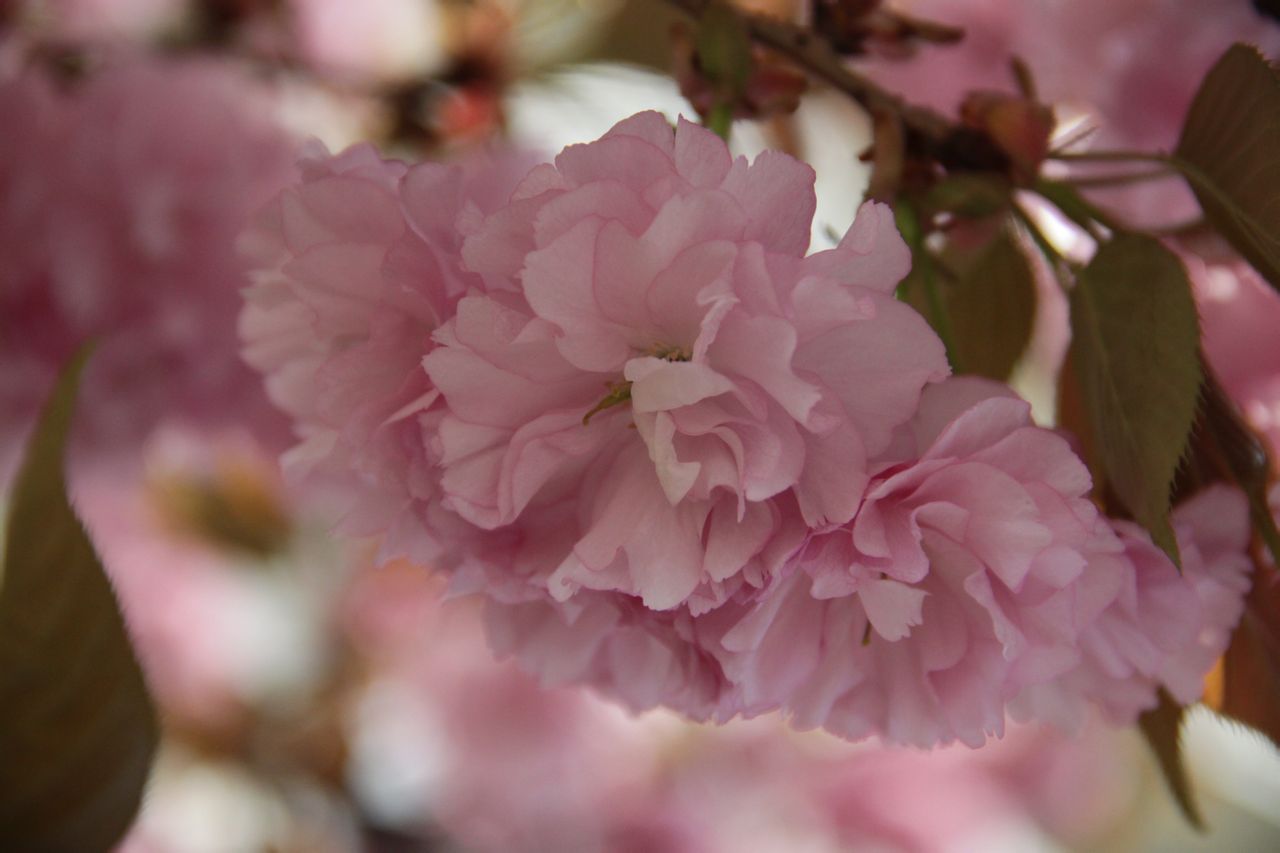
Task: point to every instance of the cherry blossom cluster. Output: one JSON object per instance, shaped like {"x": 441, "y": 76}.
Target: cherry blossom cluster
{"x": 121, "y": 229}
{"x": 692, "y": 466}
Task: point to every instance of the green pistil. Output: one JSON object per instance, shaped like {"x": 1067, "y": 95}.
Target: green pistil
{"x": 619, "y": 393}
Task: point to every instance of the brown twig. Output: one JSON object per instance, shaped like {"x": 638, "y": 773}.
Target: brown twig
{"x": 927, "y": 132}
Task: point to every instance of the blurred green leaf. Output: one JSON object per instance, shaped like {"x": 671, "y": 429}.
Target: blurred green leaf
{"x": 77, "y": 729}
{"x": 1228, "y": 154}
{"x": 992, "y": 307}
{"x": 1135, "y": 352}
{"x": 1162, "y": 727}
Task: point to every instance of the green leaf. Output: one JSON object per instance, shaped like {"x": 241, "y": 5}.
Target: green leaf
{"x": 1162, "y": 728}
{"x": 992, "y": 307}
{"x": 1135, "y": 352}
{"x": 77, "y": 729}
{"x": 1228, "y": 155}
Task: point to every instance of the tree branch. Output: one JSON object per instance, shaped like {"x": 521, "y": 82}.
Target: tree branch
{"x": 927, "y": 132}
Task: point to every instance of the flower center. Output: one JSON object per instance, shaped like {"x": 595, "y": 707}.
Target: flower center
{"x": 668, "y": 352}
{"x": 619, "y": 393}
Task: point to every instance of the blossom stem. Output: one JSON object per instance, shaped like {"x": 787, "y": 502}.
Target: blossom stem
{"x": 720, "y": 119}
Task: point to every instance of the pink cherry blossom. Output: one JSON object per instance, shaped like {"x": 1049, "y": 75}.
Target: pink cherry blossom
{"x": 976, "y": 578}
{"x": 662, "y": 352}
{"x": 357, "y": 267}
{"x": 122, "y": 202}
{"x": 693, "y": 468}
{"x": 1161, "y": 627}
{"x": 1239, "y": 315}
{"x": 956, "y": 583}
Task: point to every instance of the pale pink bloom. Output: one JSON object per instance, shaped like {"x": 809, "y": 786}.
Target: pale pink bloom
{"x": 121, "y": 207}
{"x": 357, "y": 266}
{"x": 977, "y": 578}
{"x": 955, "y": 585}
{"x": 1239, "y": 316}
{"x": 1160, "y": 627}
{"x": 666, "y": 356}
{"x": 952, "y": 587}
{"x": 637, "y": 656}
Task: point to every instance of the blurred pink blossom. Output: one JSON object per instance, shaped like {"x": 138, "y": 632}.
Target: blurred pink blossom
{"x": 123, "y": 199}
{"x": 1239, "y": 316}
{"x": 1130, "y": 69}
{"x": 1133, "y": 65}
{"x": 194, "y": 605}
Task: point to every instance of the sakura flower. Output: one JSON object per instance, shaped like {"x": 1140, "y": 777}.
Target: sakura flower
{"x": 977, "y": 578}
{"x": 638, "y": 657}
{"x": 655, "y": 345}
{"x": 1239, "y": 313}
{"x": 1161, "y": 627}
{"x": 123, "y": 200}
{"x": 357, "y": 266}
{"x": 954, "y": 585}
